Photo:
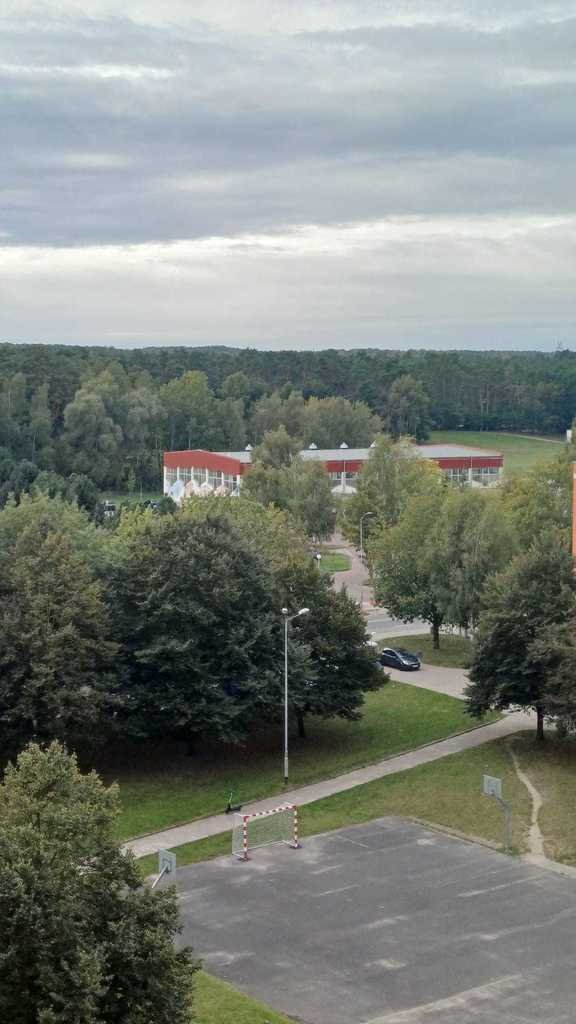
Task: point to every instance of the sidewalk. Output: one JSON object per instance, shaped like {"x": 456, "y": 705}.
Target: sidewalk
{"x": 219, "y": 823}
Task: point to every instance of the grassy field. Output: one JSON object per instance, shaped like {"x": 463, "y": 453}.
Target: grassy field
{"x": 454, "y": 650}
{"x": 520, "y": 453}
{"x": 161, "y": 786}
{"x": 333, "y": 561}
{"x": 445, "y": 793}
{"x": 215, "y": 1002}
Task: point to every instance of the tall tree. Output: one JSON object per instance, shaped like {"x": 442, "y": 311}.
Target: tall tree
{"x": 190, "y": 411}
{"x": 83, "y": 940}
{"x": 93, "y": 430}
{"x": 40, "y": 424}
{"x": 409, "y": 568}
{"x": 55, "y": 651}
{"x": 407, "y": 409}
{"x": 476, "y": 538}
{"x": 388, "y": 480}
{"x": 194, "y": 613}
{"x": 520, "y": 604}
{"x": 310, "y": 499}
{"x": 330, "y": 421}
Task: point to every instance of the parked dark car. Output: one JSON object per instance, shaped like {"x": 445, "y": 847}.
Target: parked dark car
{"x": 397, "y": 657}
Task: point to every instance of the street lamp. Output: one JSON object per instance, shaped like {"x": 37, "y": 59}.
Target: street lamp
{"x": 287, "y": 618}
{"x": 362, "y": 518}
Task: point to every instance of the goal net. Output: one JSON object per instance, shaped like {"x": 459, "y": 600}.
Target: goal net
{"x": 266, "y": 828}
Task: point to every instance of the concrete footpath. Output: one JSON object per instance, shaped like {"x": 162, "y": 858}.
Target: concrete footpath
{"x": 218, "y": 823}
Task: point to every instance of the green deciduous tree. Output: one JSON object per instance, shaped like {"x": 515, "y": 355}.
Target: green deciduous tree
{"x": 193, "y": 609}
{"x": 475, "y": 538}
{"x": 409, "y": 568}
{"x": 41, "y": 512}
{"x": 388, "y": 480}
{"x": 310, "y": 499}
{"x": 83, "y": 940}
{"x": 407, "y": 409}
{"x": 520, "y": 605}
{"x": 331, "y": 666}
{"x": 542, "y": 498}
{"x": 328, "y": 422}
{"x": 55, "y": 651}
{"x": 93, "y": 435}
{"x": 555, "y": 651}
{"x": 190, "y": 411}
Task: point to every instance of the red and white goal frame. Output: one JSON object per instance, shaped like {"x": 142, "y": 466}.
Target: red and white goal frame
{"x": 265, "y": 828}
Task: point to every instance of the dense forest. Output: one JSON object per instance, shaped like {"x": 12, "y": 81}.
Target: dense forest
{"x": 101, "y": 417}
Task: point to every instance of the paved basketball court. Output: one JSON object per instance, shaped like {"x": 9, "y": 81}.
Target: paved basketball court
{"x": 388, "y": 923}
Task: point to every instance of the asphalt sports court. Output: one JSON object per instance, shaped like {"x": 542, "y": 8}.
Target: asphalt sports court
{"x": 388, "y": 923}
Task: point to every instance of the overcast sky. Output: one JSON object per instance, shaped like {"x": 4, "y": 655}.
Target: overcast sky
{"x": 288, "y": 173}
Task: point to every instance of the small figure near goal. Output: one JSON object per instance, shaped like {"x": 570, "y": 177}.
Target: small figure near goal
{"x": 265, "y": 828}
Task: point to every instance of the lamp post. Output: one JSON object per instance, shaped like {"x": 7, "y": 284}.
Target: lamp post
{"x": 287, "y": 619}
{"x": 362, "y": 518}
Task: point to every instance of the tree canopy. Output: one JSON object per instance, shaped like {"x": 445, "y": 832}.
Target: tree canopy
{"x": 520, "y": 604}
{"x": 83, "y": 940}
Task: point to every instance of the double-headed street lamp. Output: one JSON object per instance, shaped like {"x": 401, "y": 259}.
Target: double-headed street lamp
{"x": 287, "y": 619}
{"x": 362, "y": 518}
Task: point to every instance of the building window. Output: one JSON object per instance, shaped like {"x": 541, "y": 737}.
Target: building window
{"x": 457, "y": 476}
{"x": 486, "y": 476}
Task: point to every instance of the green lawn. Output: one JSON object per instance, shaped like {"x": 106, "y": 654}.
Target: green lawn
{"x": 215, "y": 1002}
{"x": 447, "y": 793}
{"x": 333, "y": 561}
{"x": 454, "y": 650}
{"x": 161, "y": 786}
{"x": 520, "y": 453}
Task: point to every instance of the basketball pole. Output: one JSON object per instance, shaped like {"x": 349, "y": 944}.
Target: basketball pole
{"x": 285, "y": 697}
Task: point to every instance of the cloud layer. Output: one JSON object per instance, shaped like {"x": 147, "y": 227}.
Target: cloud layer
{"x": 288, "y": 174}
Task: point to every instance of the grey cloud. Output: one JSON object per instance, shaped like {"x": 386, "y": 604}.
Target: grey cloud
{"x": 115, "y": 130}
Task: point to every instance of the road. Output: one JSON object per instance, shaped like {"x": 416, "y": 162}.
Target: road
{"x": 355, "y": 580}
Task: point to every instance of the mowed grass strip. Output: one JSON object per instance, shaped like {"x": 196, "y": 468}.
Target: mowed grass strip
{"x": 446, "y": 793}
{"x": 551, "y": 767}
{"x": 161, "y": 786}
{"x": 334, "y": 561}
{"x": 455, "y": 651}
{"x": 520, "y": 453}
{"x": 215, "y": 1002}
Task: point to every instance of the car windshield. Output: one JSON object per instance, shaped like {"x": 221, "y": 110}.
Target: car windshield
{"x": 403, "y": 653}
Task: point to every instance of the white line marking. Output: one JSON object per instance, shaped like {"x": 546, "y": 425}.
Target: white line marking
{"x": 475, "y": 1002}
{"x": 332, "y": 892}
{"x": 496, "y": 888}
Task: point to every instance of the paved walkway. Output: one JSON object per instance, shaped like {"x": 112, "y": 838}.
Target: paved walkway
{"x": 308, "y": 794}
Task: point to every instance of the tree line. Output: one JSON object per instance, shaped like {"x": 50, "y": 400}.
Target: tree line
{"x": 494, "y": 563}
{"x": 527, "y": 391}
{"x": 113, "y": 430}
{"x": 88, "y": 419}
